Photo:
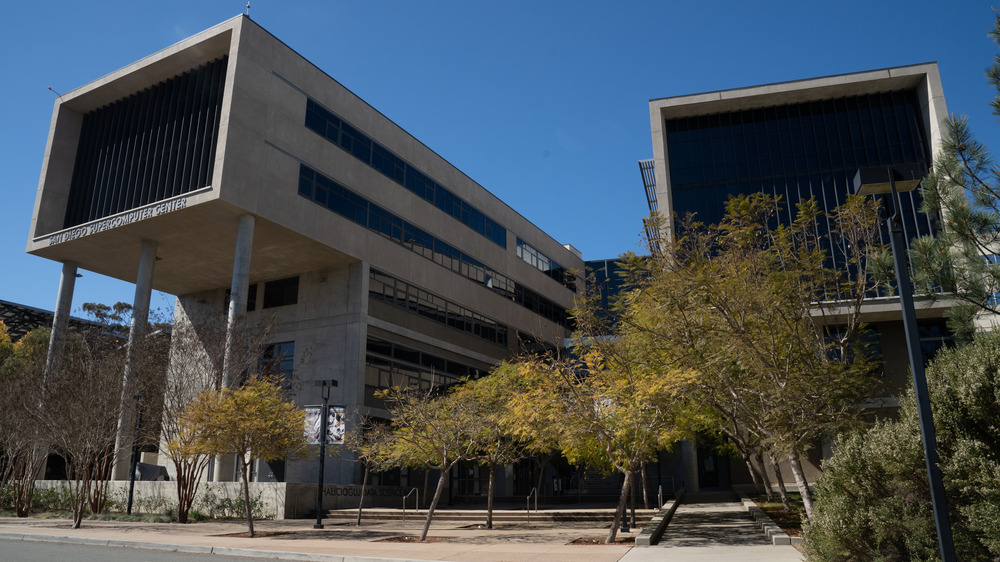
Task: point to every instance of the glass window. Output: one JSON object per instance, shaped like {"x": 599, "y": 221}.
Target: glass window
{"x": 282, "y": 292}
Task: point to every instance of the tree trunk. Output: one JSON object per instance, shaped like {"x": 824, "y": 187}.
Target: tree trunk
{"x": 645, "y": 488}
{"x": 244, "y": 468}
{"x": 800, "y": 480}
{"x": 489, "y": 499}
{"x": 541, "y": 476}
{"x": 763, "y": 476}
{"x": 781, "y": 486}
{"x": 434, "y": 502}
{"x": 753, "y": 473}
{"x": 427, "y": 479}
{"x": 361, "y": 504}
{"x": 620, "y": 512}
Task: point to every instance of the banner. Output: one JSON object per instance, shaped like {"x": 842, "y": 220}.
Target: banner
{"x": 336, "y": 424}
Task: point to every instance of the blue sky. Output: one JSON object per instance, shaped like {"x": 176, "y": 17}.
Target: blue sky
{"x": 544, "y": 103}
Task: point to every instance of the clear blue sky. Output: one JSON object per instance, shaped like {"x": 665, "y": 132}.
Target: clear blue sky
{"x": 542, "y": 102}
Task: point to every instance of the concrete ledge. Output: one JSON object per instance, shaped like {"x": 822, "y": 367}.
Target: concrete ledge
{"x": 653, "y": 530}
{"x": 773, "y": 532}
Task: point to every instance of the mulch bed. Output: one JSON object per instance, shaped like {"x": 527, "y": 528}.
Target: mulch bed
{"x": 790, "y": 523}
{"x": 256, "y": 534}
{"x": 620, "y": 541}
{"x": 414, "y": 538}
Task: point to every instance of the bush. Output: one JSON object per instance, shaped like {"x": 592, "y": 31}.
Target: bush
{"x": 873, "y": 498}
{"x": 215, "y": 504}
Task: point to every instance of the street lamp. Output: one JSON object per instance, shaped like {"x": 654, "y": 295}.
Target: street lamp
{"x": 892, "y": 180}
{"x": 326, "y": 385}
{"x": 135, "y": 454}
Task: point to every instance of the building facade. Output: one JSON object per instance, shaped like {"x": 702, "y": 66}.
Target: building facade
{"x": 231, "y": 172}
{"x": 797, "y": 140}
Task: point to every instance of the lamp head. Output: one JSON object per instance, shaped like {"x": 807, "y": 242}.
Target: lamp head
{"x": 878, "y": 180}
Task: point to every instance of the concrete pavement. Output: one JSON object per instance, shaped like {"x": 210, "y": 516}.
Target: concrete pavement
{"x": 713, "y": 532}
{"x": 698, "y": 532}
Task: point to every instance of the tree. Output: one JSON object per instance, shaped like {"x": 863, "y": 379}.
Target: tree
{"x": 609, "y": 409}
{"x": 254, "y": 421}
{"x": 22, "y": 442}
{"x": 872, "y": 496}
{"x": 81, "y": 415}
{"x": 370, "y": 442}
{"x": 963, "y": 193}
{"x": 767, "y": 317}
{"x": 493, "y": 444}
{"x": 431, "y": 430}
{"x": 195, "y": 366}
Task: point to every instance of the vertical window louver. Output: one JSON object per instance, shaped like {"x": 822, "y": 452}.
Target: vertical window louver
{"x": 153, "y": 145}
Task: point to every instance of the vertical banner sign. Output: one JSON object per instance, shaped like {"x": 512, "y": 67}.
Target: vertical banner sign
{"x": 336, "y": 424}
{"x": 313, "y": 421}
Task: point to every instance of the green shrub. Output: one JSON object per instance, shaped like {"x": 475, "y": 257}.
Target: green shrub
{"x": 873, "y": 498}
{"x": 215, "y": 504}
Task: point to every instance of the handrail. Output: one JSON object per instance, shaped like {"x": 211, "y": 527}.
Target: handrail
{"x": 416, "y": 503}
{"x": 659, "y": 496}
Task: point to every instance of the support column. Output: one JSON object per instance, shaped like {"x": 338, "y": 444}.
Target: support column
{"x": 60, "y": 320}
{"x": 224, "y": 464}
{"x": 137, "y": 333}
{"x": 237, "y": 295}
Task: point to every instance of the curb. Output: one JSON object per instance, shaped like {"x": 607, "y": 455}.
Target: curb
{"x": 653, "y": 531}
{"x": 773, "y": 532}
{"x": 197, "y": 549}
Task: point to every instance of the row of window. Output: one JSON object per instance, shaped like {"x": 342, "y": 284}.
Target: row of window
{"x": 397, "y": 292}
{"x": 389, "y": 365}
{"x": 280, "y": 292}
{"x": 383, "y": 160}
{"x": 545, "y": 264}
{"x": 341, "y": 200}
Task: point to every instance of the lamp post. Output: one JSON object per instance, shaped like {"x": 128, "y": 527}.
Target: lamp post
{"x": 892, "y": 180}
{"x": 135, "y": 454}
{"x": 326, "y": 385}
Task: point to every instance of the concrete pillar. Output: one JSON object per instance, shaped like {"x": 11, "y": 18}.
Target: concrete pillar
{"x": 137, "y": 332}
{"x": 224, "y": 464}
{"x": 237, "y": 294}
{"x": 689, "y": 458}
{"x": 60, "y": 320}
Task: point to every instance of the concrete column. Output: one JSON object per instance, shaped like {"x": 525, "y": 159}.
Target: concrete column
{"x": 237, "y": 309}
{"x": 237, "y": 294}
{"x": 60, "y": 320}
{"x": 137, "y": 332}
{"x": 689, "y": 458}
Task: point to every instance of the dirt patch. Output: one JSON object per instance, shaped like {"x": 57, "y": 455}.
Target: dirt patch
{"x": 256, "y": 534}
{"x": 620, "y": 541}
{"x": 791, "y": 522}
{"x": 414, "y": 538}
{"x": 483, "y": 526}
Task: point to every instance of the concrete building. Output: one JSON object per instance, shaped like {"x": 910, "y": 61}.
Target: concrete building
{"x": 800, "y": 139}
{"x": 231, "y": 172}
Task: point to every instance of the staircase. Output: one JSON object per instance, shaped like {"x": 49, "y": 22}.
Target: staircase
{"x": 478, "y": 516}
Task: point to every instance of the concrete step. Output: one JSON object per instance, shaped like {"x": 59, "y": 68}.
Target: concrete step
{"x": 479, "y": 515}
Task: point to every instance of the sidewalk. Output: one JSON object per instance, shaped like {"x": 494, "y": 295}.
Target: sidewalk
{"x": 697, "y": 532}
{"x": 296, "y": 539}
{"x": 714, "y": 532}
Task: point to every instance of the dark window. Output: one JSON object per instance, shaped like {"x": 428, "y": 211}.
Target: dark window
{"x": 382, "y": 159}
{"x": 278, "y": 359}
{"x": 281, "y": 292}
{"x": 369, "y": 215}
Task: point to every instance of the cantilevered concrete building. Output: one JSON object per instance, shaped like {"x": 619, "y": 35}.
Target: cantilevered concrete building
{"x": 233, "y": 173}
{"x": 801, "y": 139}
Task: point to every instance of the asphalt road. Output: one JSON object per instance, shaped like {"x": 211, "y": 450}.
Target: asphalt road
{"x": 35, "y": 551}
